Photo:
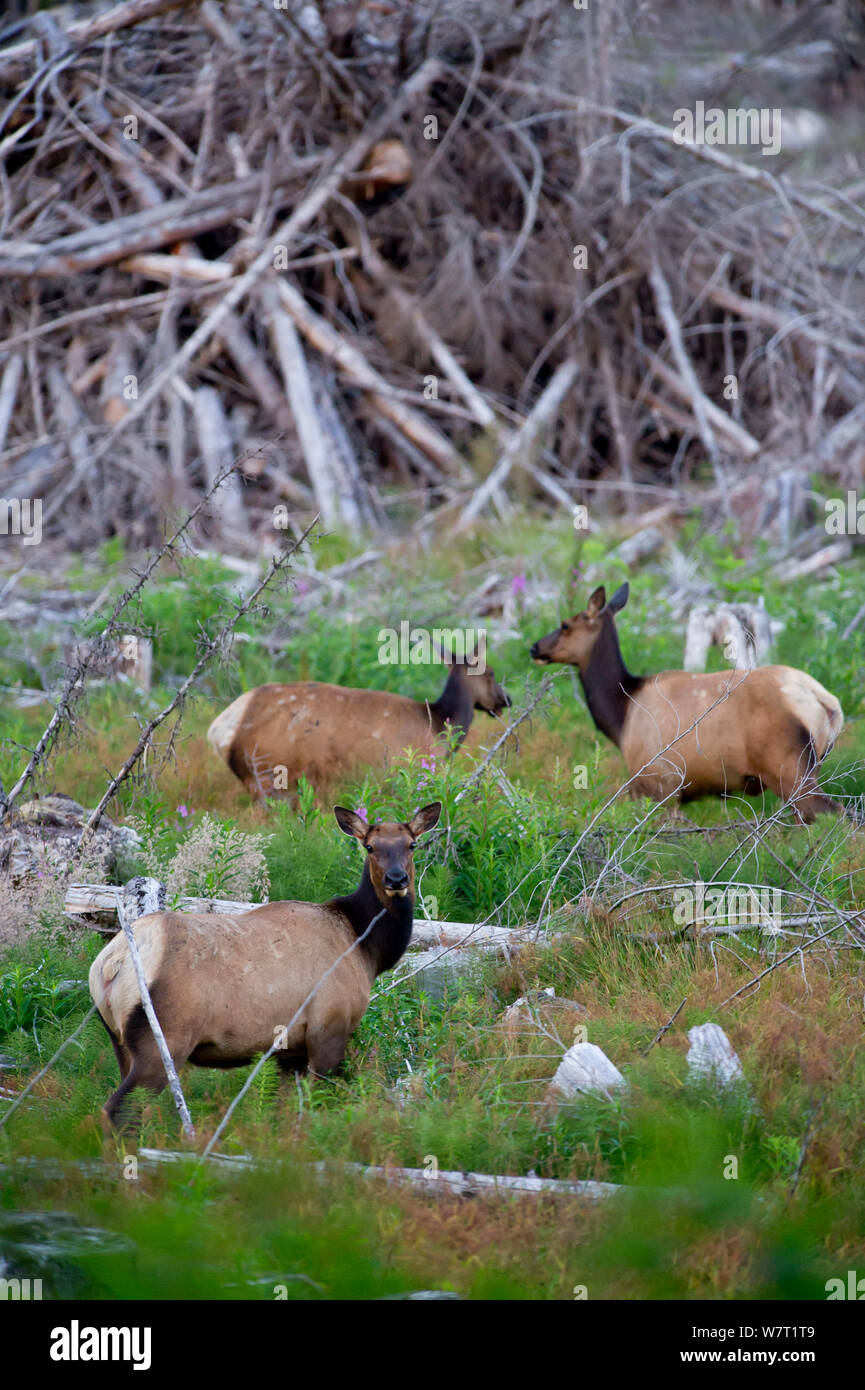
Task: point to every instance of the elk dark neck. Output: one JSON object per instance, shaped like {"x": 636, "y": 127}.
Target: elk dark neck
{"x": 455, "y": 705}
{"x": 390, "y": 936}
{"x": 608, "y": 684}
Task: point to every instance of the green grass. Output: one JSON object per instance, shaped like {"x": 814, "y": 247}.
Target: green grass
{"x": 794, "y": 1213}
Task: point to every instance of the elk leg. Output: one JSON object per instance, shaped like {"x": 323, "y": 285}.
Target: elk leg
{"x": 325, "y": 1051}
{"x": 124, "y": 1061}
{"x": 289, "y": 1063}
{"x": 796, "y": 781}
{"x": 146, "y": 1069}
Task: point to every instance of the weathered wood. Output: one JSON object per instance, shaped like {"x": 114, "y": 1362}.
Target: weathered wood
{"x": 170, "y": 221}
{"x": 9, "y": 392}
{"x": 738, "y": 438}
{"x": 542, "y": 414}
{"x": 441, "y": 1182}
{"x": 828, "y": 555}
{"x": 351, "y": 363}
{"x": 298, "y": 388}
{"x": 84, "y": 898}
{"x": 285, "y": 235}
{"x": 437, "y": 348}
{"x": 711, "y": 1057}
{"x": 742, "y": 629}
{"x": 217, "y": 453}
{"x": 83, "y": 31}
{"x": 698, "y": 401}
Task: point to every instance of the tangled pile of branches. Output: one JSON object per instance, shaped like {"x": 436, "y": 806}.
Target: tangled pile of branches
{"x": 408, "y": 260}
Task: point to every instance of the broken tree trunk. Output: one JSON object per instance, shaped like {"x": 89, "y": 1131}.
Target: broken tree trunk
{"x": 352, "y": 364}
{"x": 298, "y": 388}
{"x": 100, "y": 898}
{"x": 9, "y": 393}
{"x": 742, "y": 630}
{"x": 217, "y": 454}
{"x": 542, "y": 414}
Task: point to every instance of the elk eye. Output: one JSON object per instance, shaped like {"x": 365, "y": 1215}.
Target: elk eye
{"x": 411, "y": 846}
{"x": 368, "y": 849}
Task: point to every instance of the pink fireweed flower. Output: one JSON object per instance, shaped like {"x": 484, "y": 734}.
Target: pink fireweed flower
{"x": 518, "y": 584}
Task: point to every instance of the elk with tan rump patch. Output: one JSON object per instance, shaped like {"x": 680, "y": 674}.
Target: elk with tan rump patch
{"x": 685, "y": 734}
{"x": 224, "y": 988}
{"x": 326, "y": 733}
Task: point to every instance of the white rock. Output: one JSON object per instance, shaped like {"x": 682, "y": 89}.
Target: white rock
{"x": 711, "y": 1057}
{"x": 585, "y": 1068}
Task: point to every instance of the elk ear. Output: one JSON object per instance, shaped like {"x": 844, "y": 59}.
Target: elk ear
{"x": 350, "y": 823}
{"x": 596, "y": 602}
{"x": 619, "y": 599}
{"x": 425, "y": 819}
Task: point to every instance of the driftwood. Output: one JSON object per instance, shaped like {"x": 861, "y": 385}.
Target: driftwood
{"x": 519, "y": 446}
{"x": 157, "y": 226}
{"x": 828, "y": 555}
{"x": 87, "y": 899}
{"x": 217, "y": 452}
{"x": 9, "y": 384}
{"x": 699, "y": 404}
{"x": 438, "y": 1182}
{"x": 736, "y": 437}
{"x": 333, "y": 506}
{"x": 285, "y": 235}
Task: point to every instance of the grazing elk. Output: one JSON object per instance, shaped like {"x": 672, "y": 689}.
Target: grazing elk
{"x": 224, "y": 988}
{"x": 327, "y": 732}
{"x": 703, "y": 734}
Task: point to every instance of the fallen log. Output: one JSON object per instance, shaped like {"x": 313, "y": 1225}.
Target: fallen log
{"x": 436, "y": 1182}
{"x": 85, "y": 899}
{"x": 175, "y": 219}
